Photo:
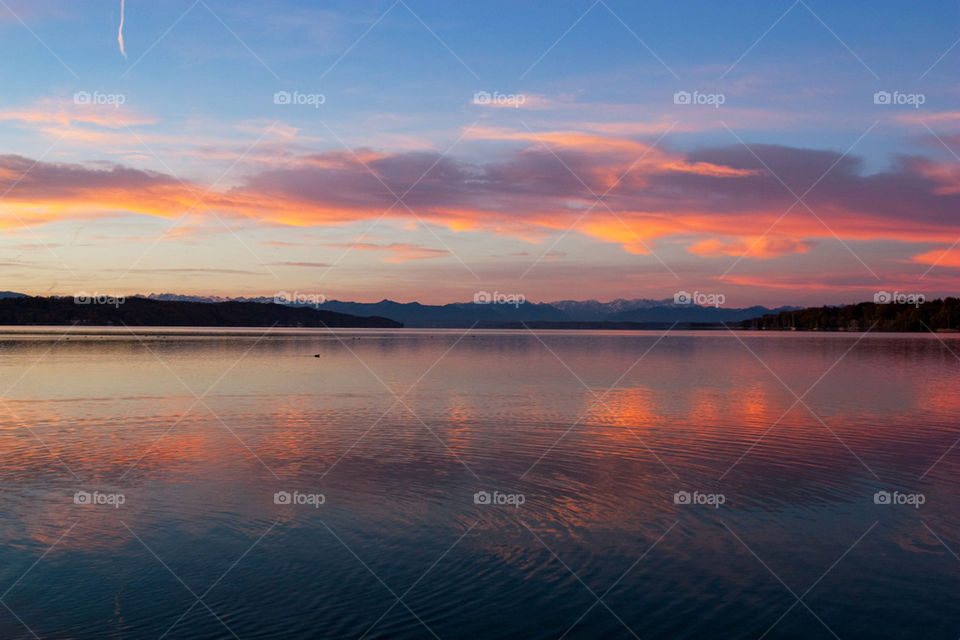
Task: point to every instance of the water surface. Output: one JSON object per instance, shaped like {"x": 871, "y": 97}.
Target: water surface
{"x": 196, "y": 433}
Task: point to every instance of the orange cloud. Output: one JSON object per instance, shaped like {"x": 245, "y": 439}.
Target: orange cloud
{"x": 644, "y": 155}
{"x": 757, "y": 247}
{"x": 723, "y": 198}
{"x": 949, "y": 257}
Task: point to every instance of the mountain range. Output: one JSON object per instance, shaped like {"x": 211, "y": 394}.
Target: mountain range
{"x": 639, "y": 311}
{"x": 625, "y": 313}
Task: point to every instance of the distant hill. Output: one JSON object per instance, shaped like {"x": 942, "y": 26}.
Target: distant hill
{"x": 138, "y": 311}
{"x": 592, "y": 310}
{"x": 454, "y": 315}
{"x": 690, "y": 313}
{"x": 612, "y": 326}
{"x": 461, "y": 314}
{"x": 936, "y": 315}
{"x": 622, "y": 312}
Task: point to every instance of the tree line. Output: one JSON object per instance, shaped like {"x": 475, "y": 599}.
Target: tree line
{"x": 936, "y": 315}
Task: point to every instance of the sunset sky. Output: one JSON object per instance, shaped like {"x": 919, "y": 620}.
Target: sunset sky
{"x": 178, "y": 167}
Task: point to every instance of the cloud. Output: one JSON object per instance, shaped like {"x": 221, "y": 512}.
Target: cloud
{"x": 282, "y": 243}
{"x": 399, "y": 252}
{"x": 500, "y": 100}
{"x": 943, "y": 257}
{"x": 720, "y": 200}
{"x": 768, "y": 246}
{"x": 922, "y": 118}
{"x": 123, "y": 51}
{"x": 65, "y": 113}
{"x": 196, "y": 271}
{"x": 308, "y": 265}
{"x": 53, "y": 191}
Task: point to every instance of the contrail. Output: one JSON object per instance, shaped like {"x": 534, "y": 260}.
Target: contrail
{"x": 120, "y": 31}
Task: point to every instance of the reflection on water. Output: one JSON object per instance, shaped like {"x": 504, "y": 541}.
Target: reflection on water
{"x": 201, "y": 432}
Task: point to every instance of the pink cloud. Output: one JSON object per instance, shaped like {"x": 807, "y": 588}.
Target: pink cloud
{"x": 399, "y": 252}
{"x": 723, "y": 198}
{"x": 66, "y": 113}
{"x": 768, "y": 246}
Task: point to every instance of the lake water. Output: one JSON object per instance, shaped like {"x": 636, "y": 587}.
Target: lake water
{"x": 415, "y": 484}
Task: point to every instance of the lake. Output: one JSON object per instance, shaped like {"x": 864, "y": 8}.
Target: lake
{"x": 483, "y": 484}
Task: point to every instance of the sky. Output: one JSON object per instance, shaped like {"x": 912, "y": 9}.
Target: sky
{"x": 797, "y": 152}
